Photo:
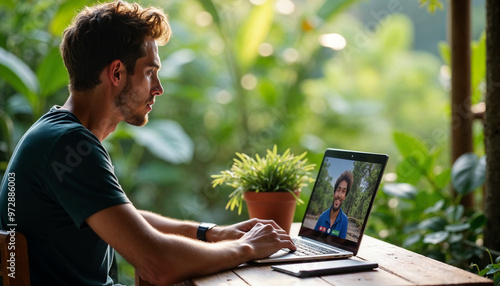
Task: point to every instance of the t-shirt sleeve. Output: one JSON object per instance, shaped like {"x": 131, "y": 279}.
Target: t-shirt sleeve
{"x": 81, "y": 177}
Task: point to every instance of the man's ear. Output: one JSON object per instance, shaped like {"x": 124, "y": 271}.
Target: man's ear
{"x": 116, "y": 72}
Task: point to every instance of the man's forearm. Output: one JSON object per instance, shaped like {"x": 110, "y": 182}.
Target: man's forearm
{"x": 180, "y": 227}
{"x": 169, "y": 225}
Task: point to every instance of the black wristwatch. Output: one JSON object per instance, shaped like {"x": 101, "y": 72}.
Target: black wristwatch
{"x": 201, "y": 234}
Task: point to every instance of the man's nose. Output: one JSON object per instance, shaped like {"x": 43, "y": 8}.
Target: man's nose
{"x": 158, "y": 88}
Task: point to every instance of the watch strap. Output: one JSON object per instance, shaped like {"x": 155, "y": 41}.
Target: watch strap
{"x": 201, "y": 233}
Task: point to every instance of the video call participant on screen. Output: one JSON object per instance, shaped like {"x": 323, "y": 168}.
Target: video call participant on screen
{"x": 334, "y": 221}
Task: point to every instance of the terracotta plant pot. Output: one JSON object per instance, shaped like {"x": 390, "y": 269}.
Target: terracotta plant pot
{"x": 278, "y": 206}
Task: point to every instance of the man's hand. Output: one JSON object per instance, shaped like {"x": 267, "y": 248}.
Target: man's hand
{"x": 266, "y": 239}
{"x": 237, "y": 230}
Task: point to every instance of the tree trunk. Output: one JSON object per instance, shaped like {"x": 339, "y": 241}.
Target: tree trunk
{"x": 461, "y": 114}
{"x": 492, "y": 126}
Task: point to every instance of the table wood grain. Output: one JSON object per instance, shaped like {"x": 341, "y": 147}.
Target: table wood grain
{"x": 397, "y": 266}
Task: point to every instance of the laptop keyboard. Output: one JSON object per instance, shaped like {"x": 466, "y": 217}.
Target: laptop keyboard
{"x": 305, "y": 247}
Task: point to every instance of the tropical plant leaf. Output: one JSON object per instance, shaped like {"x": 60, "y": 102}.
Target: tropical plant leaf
{"x": 252, "y": 33}
{"x": 432, "y": 5}
{"x": 408, "y": 171}
{"x": 445, "y": 52}
{"x": 51, "y": 73}
{"x": 165, "y": 139}
{"x": 435, "y": 208}
{"x": 410, "y": 146}
{"x": 434, "y": 223}
{"x": 443, "y": 179}
{"x": 18, "y": 75}
{"x": 6, "y": 131}
{"x": 412, "y": 239}
{"x": 477, "y": 221}
{"x": 67, "y": 10}
{"x": 436, "y": 237}
{"x": 454, "y": 212}
{"x": 478, "y": 67}
{"x": 331, "y": 8}
{"x": 468, "y": 173}
{"x": 457, "y": 227}
{"x": 209, "y": 6}
{"x": 400, "y": 190}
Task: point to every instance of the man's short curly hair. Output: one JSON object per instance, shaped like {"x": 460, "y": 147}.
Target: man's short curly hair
{"x": 106, "y": 32}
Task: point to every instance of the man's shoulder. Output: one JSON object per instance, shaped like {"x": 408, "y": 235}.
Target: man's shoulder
{"x": 59, "y": 120}
{"x": 54, "y": 131}
{"x": 57, "y": 124}
{"x": 343, "y": 215}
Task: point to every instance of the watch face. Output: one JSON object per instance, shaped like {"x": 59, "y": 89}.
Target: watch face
{"x": 207, "y": 225}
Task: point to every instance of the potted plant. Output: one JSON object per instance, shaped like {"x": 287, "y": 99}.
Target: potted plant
{"x": 270, "y": 185}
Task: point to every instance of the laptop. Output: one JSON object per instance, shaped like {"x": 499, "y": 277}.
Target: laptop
{"x": 334, "y": 222}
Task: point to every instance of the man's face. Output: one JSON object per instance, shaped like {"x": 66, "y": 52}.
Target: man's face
{"x": 138, "y": 96}
{"x": 339, "y": 195}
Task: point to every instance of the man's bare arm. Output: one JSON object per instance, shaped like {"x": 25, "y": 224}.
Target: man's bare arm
{"x": 189, "y": 228}
{"x": 168, "y": 258}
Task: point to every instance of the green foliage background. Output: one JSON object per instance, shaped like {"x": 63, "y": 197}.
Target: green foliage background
{"x": 224, "y": 94}
{"x": 303, "y": 95}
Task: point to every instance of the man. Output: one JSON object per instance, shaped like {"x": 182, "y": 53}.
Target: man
{"x": 334, "y": 220}
{"x": 68, "y": 202}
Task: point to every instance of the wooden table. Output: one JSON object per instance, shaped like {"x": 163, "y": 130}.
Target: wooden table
{"x": 397, "y": 266}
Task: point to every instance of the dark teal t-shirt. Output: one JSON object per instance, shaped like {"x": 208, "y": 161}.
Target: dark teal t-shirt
{"x": 59, "y": 175}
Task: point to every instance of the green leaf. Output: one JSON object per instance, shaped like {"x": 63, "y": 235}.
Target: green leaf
{"x": 252, "y": 33}
{"x": 209, "y": 6}
{"x": 6, "y": 131}
{"x": 492, "y": 269}
{"x": 400, "y": 190}
{"x": 436, "y": 237}
{"x": 18, "y": 75}
{"x": 331, "y": 8}
{"x": 468, "y": 173}
{"x": 445, "y": 52}
{"x": 412, "y": 239}
{"x": 477, "y": 221}
{"x": 410, "y": 146}
{"x": 432, "y": 5}
{"x": 434, "y": 223}
{"x": 64, "y": 15}
{"x": 408, "y": 171}
{"x": 18, "y": 104}
{"x": 478, "y": 67}
{"x": 455, "y": 238}
{"x": 435, "y": 208}
{"x": 51, "y": 73}
{"x": 454, "y": 213}
{"x": 443, "y": 179}
{"x": 165, "y": 139}
{"x": 457, "y": 227}
{"x": 268, "y": 91}
{"x": 417, "y": 159}
{"x": 159, "y": 173}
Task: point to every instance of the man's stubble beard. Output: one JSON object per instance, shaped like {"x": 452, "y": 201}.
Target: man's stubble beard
{"x": 126, "y": 103}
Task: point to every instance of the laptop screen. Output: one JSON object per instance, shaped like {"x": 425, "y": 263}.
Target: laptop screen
{"x": 342, "y": 197}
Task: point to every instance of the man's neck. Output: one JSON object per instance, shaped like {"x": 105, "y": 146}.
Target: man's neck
{"x": 94, "y": 112}
{"x": 333, "y": 215}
